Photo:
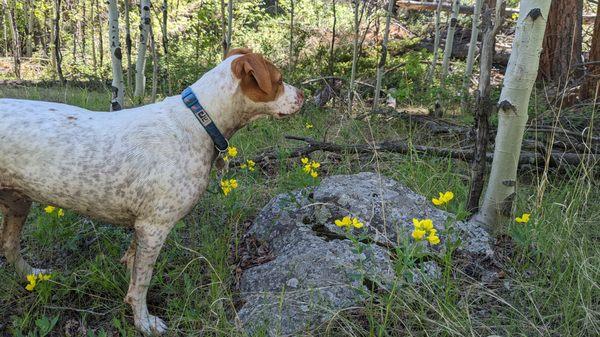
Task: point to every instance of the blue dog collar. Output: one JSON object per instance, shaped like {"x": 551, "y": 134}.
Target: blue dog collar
{"x": 190, "y": 100}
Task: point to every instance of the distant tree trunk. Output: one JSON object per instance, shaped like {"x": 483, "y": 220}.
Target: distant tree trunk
{"x": 291, "y": 56}
{"x": 229, "y": 23}
{"x": 450, "y": 40}
{"x": 93, "y": 41}
{"x": 128, "y": 44}
{"x": 30, "y": 27}
{"x": 590, "y": 89}
{"x": 436, "y": 43}
{"x": 83, "y": 36}
{"x": 562, "y": 42}
{"x": 118, "y": 87}
{"x": 154, "y": 66}
{"x": 331, "y": 48}
{"x": 140, "y": 78}
{"x": 382, "y": 58}
{"x": 484, "y": 106}
{"x": 472, "y": 47}
{"x": 16, "y": 47}
{"x": 100, "y": 36}
{"x": 4, "y": 34}
{"x": 165, "y": 41}
{"x": 224, "y": 29}
{"x": 357, "y": 18}
{"x": 518, "y": 83}
{"x": 57, "y": 52}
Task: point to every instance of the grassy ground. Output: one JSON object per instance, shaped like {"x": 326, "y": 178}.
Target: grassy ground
{"x": 550, "y": 285}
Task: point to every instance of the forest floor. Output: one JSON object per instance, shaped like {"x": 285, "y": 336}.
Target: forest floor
{"x": 550, "y": 285}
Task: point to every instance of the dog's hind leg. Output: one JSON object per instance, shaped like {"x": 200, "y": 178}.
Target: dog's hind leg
{"x": 150, "y": 238}
{"x": 14, "y": 208}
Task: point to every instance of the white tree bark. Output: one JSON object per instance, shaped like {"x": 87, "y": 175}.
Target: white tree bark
{"x": 118, "y": 87}
{"x": 9, "y": 9}
{"x": 472, "y": 45}
{"x": 450, "y": 39}
{"x": 140, "y": 66}
{"x": 436, "y": 43}
{"x": 520, "y": 77}
{"x": 382, "y": 59}
{"x": 128, "y": 44}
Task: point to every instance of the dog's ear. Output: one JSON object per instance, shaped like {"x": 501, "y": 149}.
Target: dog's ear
{"x": 260, "y": 80}
{"x": 238, "y": 51}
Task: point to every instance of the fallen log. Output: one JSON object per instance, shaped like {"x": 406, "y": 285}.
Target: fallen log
{"x": 465, "y": 9}
{"x": 557, "y": 158}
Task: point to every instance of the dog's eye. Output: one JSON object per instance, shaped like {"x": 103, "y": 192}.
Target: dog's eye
{"x": 280, "y": 81}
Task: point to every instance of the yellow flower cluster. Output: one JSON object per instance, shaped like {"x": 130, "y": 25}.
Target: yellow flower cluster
{"x": 523, "y": 218}
{"x": 443, "y": 199}
{"x": 228, "y": 185}
{"x": 349, "y": 222}
{"x": 425, "y": 227}
{"x": 310, "y": 167}
{"x": 232, "y": 152}
{"x": 309, "y": 126}
{"x": 34, "y": 280}
{"x": 249, "y": 165}
{"x": 50, "y": 209}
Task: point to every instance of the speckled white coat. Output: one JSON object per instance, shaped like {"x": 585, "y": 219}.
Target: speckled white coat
{"x": 144, "y": 167}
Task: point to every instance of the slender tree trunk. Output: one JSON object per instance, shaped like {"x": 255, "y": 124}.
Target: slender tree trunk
{"x": 154, "y": 66}
{"x": 450, "y": 40}
{"x": 128, "y": 44}
{"x": 472, "y": 48}
{"x": 436, "y": 43}
{"x": 590, "y": 89}
{"x": 82, "y": 29}
{"x": 30, "y": 27}
{"x": 484, "y": 106}
{"x": 16, "y": 47}
{"x": 382, "y": 58}
{"x": 229, "y": 23}
{"x": 512, "y": 114}
{"x": 140, "y": 78}
{"x": 93, "y": 41}
{"x": 57, "y": 51}
{"x": 165, "y": 41}
{"x": 291, "y": 52}
{"x": 332, "y": 47}
{"x": 118, "y": 87}
{"x": 224, "y": 29}
{"x": 356, "y": 5}
{"x": 100, "y": 36}
{"x": 4, "y": 34}
{"x": 562, "y": 42}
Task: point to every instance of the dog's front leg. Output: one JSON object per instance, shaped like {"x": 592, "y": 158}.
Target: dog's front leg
{"x": 150, "y": 238}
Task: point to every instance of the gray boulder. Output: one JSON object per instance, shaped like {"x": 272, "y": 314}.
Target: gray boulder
{"x": 318, "y": 268}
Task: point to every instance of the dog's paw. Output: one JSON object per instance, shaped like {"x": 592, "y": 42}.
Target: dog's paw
{"x": 151, "y": 326}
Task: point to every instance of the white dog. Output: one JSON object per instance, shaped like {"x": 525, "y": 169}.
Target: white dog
{"x": 144, "y": 167}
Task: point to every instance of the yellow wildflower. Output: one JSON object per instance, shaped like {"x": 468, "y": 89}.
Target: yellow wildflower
{"x": 356, "y": 223}
{"x": 61, "y": 212}
{"x": 314, "y": 174}
{"x": 310, "y": 167}
{"x": 32, "y": 282}
{"x": 49, "y": 209}
{"x": 309, "y": 126}
{"x": 307, "y": 168}
{"x": 251, "y": 165}
{"x": 418, "y": 234}
{"x": 315, "y": 164}
{"x": 232, "y": 151}
{"x": 43, "y": 277}
{"x": 304, "y": 160}
{"x": 427, "y": 224}
{"x": 443, "y": 199}
{"x": 228, "y": 185}
{"x": 344, "y": 222}
{"x": 433, "y": 239}
{"x": 523, "y": 219}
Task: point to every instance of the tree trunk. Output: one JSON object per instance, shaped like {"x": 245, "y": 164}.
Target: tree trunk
{"x": 382, "y": 58}
{"x": 562, "y": 42}
{"x": 356, "y": 27}
{"x": 484, "y": 107}
{"x": 154, "y": 66}
{"x": 520, "y": 77}
{"x": 229, "y": 23}
{"x": 16, "y": 43}
{"x": 100, "y": 36}
{"x": 436, "y": 43}
{"x": 333, "y": 32}
{"x": 30, "y": 27}
{"x": 165, "y": 41}
{"x": 472, "y": 47}
{"x": 83, "y": 36}
{"x": 93, "y": 41}
{"x": 223, "y": 29}
{"x": 291, "y": 52}
{"x": 450, "y": 40}
{"x": 128, "y": 44}
{"x": 57, "y": 52}
{"x": 118, "y": 87}
{"x": 140, "y": 78}
{"x": 590, "y": 89}
{"x": 4, "y": 34}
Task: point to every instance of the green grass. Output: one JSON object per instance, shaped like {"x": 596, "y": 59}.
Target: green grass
{"x": 550, "y": 287}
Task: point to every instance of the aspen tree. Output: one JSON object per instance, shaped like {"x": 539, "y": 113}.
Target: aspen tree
{"x": 140, "y": 66}
{"x": 118, "y": 87}
{"x": 518, "y": 83}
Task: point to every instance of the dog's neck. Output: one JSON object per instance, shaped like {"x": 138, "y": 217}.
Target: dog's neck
{"x": 212, "y": 89}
